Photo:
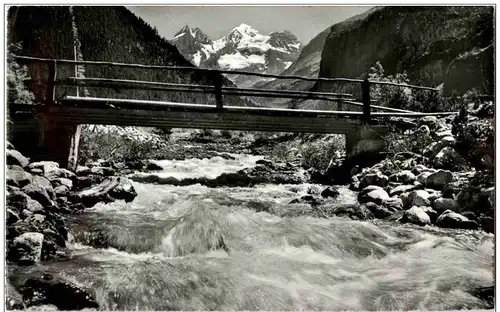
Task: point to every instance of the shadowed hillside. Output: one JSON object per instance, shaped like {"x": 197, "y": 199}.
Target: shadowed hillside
{"x": 435, "y": 45}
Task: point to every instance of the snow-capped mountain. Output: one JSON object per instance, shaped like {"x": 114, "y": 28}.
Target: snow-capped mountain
{"x": 244, "y": 48}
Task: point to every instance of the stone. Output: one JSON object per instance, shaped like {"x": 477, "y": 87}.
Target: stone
{"x": 468, "y": 199}
{"x": 430, "y": 121}
{"x": 107, "y": 191}
{"x": 447, "y": 141}
{"x": 443, "y": 204}
{"x": 308, "y": 199}
{"x": 82, "y": 170}
{"x": 448, "y": 157}
{"x": 443, "y": 134}
{"x": 450, "y": 219}
{"x": 104, "y": 171}
{"x": 393, "y": 203}
{"x": 422, "y": 178}
{"x": 12, "y": 216}
{"x": 9, "y": 145}
{"x": 46, "y": 166}
{"x": 43, "y": 182}
{"x": 377, "y": 179}
{"x": 330, "y": 192}
{"x": 470, "y": 215}
{"x": 487, "y": 224}
{"x": 419, "y": 198}
{"x": 61, "y": 173}
{"x": 439, "y": 179}
{"x": 405, "y": 198}
{"x": 432, "y": 149}
{"x": 26, "y": 248}
{"x": 18, "y": 178}
{"x": 16, "y": 158}
{"x": 36, "y": 171}
{"x": 314, "y": 190}
{"x": 433, "y": 214}
{"x": 398, "y": 190}
{"x": 62, "y": 181}
{"x": 405, "y": 176}
{"x": 61, "y": 190}
{"x": 352, "y": 211}
{"x": 34, "y": 206}
{"x": 373, "y": 194}
{"x": 38, "y": 193}
{"x": 424, "y": 130}
{"x": 418, "y": 169}
{"x": 416, "y": 215}
{"x": 18, "y": 200}
{"x": 378, "y": 211}
{"x": 60, "y": 293}
{"x": 153, "y": 166}
{"x": 13, "y": 300}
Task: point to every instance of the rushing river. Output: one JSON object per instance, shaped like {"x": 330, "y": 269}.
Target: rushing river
{"x": 244, "y": 248}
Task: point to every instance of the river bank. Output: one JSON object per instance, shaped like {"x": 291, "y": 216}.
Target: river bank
{"x": 218, "y": 225}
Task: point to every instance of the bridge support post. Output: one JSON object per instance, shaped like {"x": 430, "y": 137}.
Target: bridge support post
{"x": 59, "y": 142}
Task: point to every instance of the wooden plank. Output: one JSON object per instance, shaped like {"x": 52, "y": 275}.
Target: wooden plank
{"x": 389, "y": 109}
{"x": 240, "y": 109}
{"x": 196, "y": 120}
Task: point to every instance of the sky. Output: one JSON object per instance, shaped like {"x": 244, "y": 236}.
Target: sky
{"x": 305, "y": 22}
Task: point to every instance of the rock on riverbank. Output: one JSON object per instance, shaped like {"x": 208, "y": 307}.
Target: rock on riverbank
{"x": 438, "y": 187}
{"x": 40, "y": 195}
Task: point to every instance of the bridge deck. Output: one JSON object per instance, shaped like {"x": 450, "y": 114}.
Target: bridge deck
{"x": 125, "y": 112}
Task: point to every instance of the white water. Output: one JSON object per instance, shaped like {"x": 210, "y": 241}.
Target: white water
{"x": 164, "y": 252}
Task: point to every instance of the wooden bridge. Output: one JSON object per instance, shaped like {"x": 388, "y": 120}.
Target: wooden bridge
{"x": 59, "y": 119}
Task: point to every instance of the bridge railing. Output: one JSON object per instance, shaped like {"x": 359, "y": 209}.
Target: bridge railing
{"x": 217, "y": 88}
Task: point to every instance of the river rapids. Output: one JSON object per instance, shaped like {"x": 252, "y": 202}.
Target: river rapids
{"x": 246, "y": 248}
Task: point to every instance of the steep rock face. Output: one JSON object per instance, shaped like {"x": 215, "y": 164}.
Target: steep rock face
{"x": 435, "y": 45}
{"x": 244, "y": 48}
{"x": 307, "y": 65}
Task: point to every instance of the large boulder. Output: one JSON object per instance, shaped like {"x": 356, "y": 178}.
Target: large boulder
{"x": 405, "y": 176}
{"x": 419, "y": 198}
{"x": 63, "y": 295}
{"x": 439, "y": 179}
{"x": 38, "y": 193}
{"x": 330, "y": 192}
{"x": 449, "y": 158}
{"x": 374, "y": 194}
{"x": 107, "y": 191}
{"x": 416, "y": 215}
{"x": 379, "y": 212}
{"x": 450, "y": 219}
{"x": 26, "y": 248}
{"x": 443, "y": 204}
{"x": 432, "y": 149}
{"x": 398, "y": 190}
{"x": 44, "y": 183}
{"x": 377, "y": 179}
{"x": 62, "y": 181}
{"x": 393, "y": 203}
{"x": 47, "y": 167}
{"x": 16, "y": 158}
{"x": 18, "y": 178}
{"x": 354, "y": 212}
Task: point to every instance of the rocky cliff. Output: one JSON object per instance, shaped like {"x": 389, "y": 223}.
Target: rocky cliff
{"x": 435, "y": 45}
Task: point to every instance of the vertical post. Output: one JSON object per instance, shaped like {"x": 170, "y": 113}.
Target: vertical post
{"x": 218, "y": 89}
{"x": 340, "y": 105}
{"x": 365, "y": 88}
{"x": 76, "y": 71}
{"x": 51, "y": 83}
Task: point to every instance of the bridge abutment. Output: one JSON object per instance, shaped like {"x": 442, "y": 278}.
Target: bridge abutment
{"x": 365, "y": 139}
